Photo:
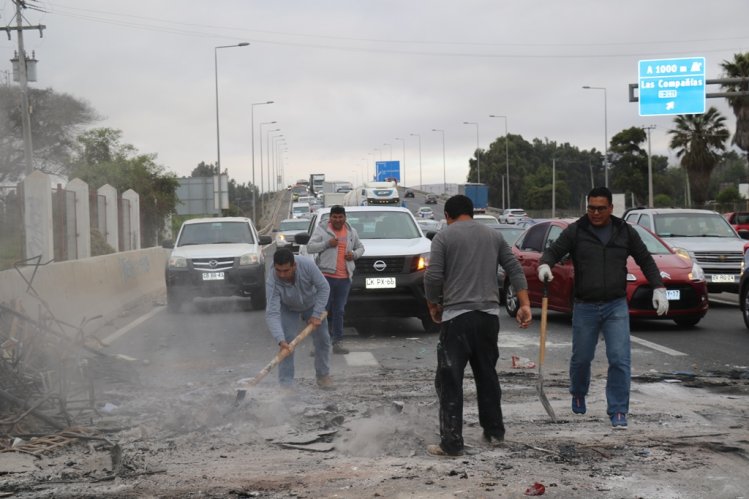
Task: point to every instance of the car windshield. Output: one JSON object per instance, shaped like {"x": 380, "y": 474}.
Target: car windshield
{"x": 692, "y": 225}
{"x": 382, "y": 224}
{"x": 300, "y": 209}
{"x": 300, "y": 225}
{"x": 510, "y": 234}
{"x": 655, "y": 247}
{"x": 215, "y": 233}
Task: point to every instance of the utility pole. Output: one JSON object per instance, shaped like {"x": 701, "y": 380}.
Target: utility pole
{"x": 23, "y": 81}
{"x": 650, "y": 169}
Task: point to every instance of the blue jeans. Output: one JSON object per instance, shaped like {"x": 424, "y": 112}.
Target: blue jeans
{"x": 339, "y": 289}
{"x": 611, "y": 318}
{"x": 293, "y": 323}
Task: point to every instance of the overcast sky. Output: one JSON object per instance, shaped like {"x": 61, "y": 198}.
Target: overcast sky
{"x": 349, "y": 76}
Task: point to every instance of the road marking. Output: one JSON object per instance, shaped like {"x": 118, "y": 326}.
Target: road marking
{"x": 656, "y": 346}
{"x": 357, "y": 359}
{"x": 125, "y": 329}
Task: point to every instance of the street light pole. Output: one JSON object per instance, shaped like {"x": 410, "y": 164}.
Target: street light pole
{"x": 507, "y": 158}
{"x": 650, "y": 169}
{"x": 252, "y": 128}
{"x": 404, "y": 159}
{"x": 605, "y": 133}
{"x": 215, "y": 71}
{"x": 421, "y": 181}
{"x": 261, "y": 151}
{"x": 267, "y": 136}
{"x": 444, "y": 171}
{"x": 478, "y": 160}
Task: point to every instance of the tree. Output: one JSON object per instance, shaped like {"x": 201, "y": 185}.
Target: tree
{"x": 205, "y": 170}
{"x": 103, "y": 159}
{"x": 56, "y": 120}
{"x": 737, "y": 68}
{"x": 699, "y": 140}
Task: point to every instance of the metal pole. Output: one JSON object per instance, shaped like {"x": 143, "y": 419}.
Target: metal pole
{"x": 554, "y": 188}
{"x": 252, "y": 127}
{"x": 404, "y": 160}
{"x": 605, "y": 133}
{"x": 650, "y": 170}
{"x": 215, "y": 71}
{"x": 23, "y": 80}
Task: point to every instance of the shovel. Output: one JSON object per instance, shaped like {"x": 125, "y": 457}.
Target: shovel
{"x": 244, "y": 385}
{"x": 542, "y": 353}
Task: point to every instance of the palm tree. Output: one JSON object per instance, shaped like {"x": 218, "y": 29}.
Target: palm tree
{"x": 738, "y": 68}
{"x": 699, "y": 140}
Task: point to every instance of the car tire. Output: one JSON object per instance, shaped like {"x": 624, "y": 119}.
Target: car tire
{"x": 511, "y": 300}
{"x": 173, "y": 301}
{"x": 744, "y": 305}
{"x": 430, "y": 327}
{"x": 257, "y": 299}
{"x": 691, "y": 320}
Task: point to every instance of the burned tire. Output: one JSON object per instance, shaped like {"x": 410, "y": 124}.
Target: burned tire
{"x": 257, "y": 299}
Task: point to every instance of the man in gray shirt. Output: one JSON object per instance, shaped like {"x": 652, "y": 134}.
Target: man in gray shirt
{"x": 462, "y": 294}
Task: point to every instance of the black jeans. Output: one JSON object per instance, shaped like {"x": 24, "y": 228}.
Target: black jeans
{"x": 469, "y": 338}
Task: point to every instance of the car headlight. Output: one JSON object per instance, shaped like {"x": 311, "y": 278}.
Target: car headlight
{"x": 631, "y": 277}
{"x": 682, "y": 253}
{"x": 249, "y": 259}
{"x": 697, "y": 274}
{"x": 280, "y": 240}
{"x": 177, "y": 262}
{"x": 422, "y": 261}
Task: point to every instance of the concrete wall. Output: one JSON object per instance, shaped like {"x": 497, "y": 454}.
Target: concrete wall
{"x": 78, "y": 289}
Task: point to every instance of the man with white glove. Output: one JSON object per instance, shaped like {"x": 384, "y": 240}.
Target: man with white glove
{"x": 599, "y": 244}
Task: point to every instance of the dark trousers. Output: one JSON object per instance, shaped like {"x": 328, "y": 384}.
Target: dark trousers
{"x": 339, "y": 289}
{"x": 470, "y": 338}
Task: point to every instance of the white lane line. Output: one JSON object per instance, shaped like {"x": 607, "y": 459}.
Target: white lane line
{"x": 123, "y": 330}
{"x": 361, "y": 359}
{"x": 656, "y": 346}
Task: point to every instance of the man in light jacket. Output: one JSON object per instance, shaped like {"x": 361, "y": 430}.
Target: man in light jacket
{"x": 296, "y": 293}
{"x": 336, "y": 245}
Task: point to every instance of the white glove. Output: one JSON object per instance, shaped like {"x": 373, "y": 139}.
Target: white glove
{"x": 544, "y": 273}
{"x": 660, "y": 301}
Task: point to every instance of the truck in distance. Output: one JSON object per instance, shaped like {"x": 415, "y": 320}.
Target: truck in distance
{"x": 478, "y": 193}
{"x": 373, "y": 194}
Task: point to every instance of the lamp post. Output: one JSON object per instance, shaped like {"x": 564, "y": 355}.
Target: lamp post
{"x": 650, "y": 169}
{"x": 605, "y": 133}
{"x": 507, "y": 159}
{"x": 478, "y": 160}
{"x": 404, "y": 159}
{"x": 268, "y": 138}
{"x": 252, "y": 127}
{"x": 215, "y": 68}
{"x": 421, "y": 182}
{"x": 261, "y": 151}
{"x": 444, "y": 171}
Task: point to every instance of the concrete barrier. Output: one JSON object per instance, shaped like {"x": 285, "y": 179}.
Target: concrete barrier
{"x": 77, "y": 289}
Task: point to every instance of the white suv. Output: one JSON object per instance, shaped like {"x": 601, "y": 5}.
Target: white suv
{"x": 216, "y": 257}
{"x": 512, "y": 215}
{"x": 702, "y": 235}
{"x": 389, "y": 278}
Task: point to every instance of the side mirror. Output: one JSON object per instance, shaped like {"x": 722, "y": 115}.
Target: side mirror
{"x": 275, "y": 230}
{"x": 167, "y": 243}
{"x": 430, "y": 234}
{"x": 265, "y": 240}
{"x": 302, "y": 238}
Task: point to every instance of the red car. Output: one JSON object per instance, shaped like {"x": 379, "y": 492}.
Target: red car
{"x": 684, "y": 279}
{"x": 739, "y": 220}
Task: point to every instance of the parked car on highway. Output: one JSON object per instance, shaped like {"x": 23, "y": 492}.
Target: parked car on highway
{"x": 703, "y": 235}
{"x": 425, "y": 212}
{"x": 487, "y": 220}
{"x": 286, "y": 231}
{"x": 388, "y": 280}
{"x": 739, "y": 220}
{"x": 512, "y": 215}
{"x": 216, "y": 257}
{"x": 301, "y": 210}
{"x": 409, "y": 193}
{"x": 684, "y": 279}
{"x": 430, "y": 199}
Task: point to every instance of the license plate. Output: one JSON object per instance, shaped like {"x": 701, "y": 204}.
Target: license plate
{"x": 213, "y": 276}
{"x": 380, "y": 282}
{"x": 723, "y": 278}
{"x": 673, "y": 294}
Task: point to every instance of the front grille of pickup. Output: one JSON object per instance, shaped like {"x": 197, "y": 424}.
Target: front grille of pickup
{"x": 719, "y": 257}
{"x": 213, "y": 264}
{"x": 369, "y": 265}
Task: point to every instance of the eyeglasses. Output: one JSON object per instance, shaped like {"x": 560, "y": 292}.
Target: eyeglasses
{"x": 597, "y": 209}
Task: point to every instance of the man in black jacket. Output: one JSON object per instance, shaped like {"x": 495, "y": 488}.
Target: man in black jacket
{"x": 599, "y": 245}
